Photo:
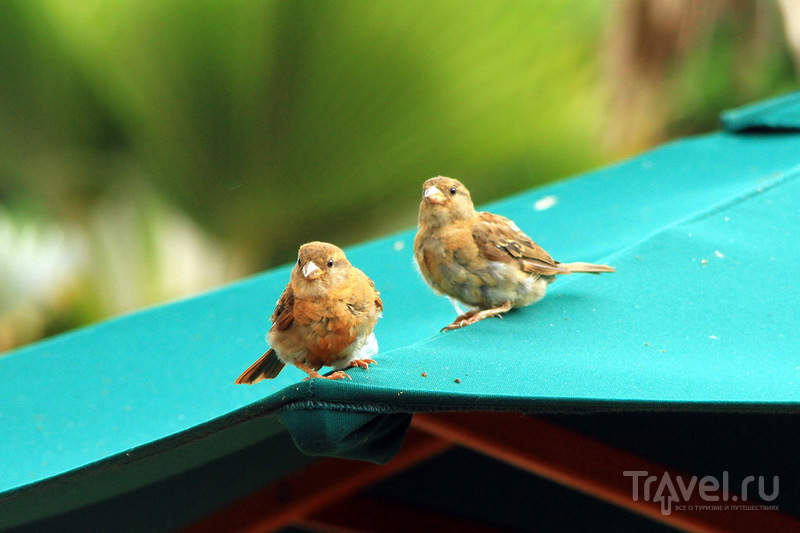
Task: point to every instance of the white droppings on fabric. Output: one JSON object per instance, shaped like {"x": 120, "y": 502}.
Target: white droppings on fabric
{"x": 545, "y": 203}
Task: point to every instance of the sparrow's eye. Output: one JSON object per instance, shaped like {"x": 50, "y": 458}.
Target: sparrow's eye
{"x": 330, "y": 263}
{"x": 453, "y": 190}
{"x": 298, "y": 261}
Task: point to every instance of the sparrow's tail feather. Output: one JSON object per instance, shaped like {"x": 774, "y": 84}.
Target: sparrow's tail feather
{"x": 586, "y": 268}
{"x": 267, "y": 367}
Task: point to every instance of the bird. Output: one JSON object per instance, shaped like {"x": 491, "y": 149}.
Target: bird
{"x": 480, "y": 259}
{"x": 325, "y": 317}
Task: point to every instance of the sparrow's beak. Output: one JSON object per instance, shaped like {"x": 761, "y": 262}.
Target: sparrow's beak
{"x": 311, "y": 270}
{"x": 434, "y": 195}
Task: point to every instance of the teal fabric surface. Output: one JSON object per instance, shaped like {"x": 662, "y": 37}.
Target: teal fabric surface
{"x": 701, "y": 315}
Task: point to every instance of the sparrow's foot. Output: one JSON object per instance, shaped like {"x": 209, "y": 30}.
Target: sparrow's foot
{"x": 336, "y": 375}
{"x": 461, "y": 320}
{"x": 470, "y": 317}
{"x": 314, "y": 374}
{"x": 457, "y": 324}
{"x": 362, "y": 363}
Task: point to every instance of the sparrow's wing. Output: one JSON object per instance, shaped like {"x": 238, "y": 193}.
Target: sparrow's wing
{"x": 378, "y": 301}
{"x": 283, "y": 315}
{"x": 362, "y": 301}
{"x": 499, "y": 239}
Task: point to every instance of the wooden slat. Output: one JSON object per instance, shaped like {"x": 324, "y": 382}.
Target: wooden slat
{"x": 589, "y": 466}
{"x": 323, "y": 483}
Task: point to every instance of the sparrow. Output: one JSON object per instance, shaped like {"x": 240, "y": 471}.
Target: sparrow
{"x": 325, "y": 317}
{"x": 480, "y": 259}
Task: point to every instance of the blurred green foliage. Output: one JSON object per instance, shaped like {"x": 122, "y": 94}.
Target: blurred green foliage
{"x": 278, "y": 122}
{"x": 272, "y": 123}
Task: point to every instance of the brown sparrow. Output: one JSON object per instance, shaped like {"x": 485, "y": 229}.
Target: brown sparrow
{"x": 478, "y": 258}
{"x": 325, "y": 317}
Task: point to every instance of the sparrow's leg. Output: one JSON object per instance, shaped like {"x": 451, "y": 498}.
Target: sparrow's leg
{"x": 457, "y": 307}
{"x": 473, "y": 316}
{"x": 461, "y": 319}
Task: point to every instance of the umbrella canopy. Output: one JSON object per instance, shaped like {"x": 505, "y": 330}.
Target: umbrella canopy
{"x": 701, "y": 315}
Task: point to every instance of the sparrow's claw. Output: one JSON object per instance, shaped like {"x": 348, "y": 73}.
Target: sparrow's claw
{"x": 457, "y": 324}
{"x": 336, "y": 375}
{"x": 313, "y": 375}
{"x": 461, "y": 320}
{"x": 362, "y": 363}
{"x": 470, "y": 317}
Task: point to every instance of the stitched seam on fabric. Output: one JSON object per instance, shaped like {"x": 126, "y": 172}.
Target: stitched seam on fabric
{"x": 550, "y": 406}
{"x": 792, "y": 174}
{"x": 420, "y": 342}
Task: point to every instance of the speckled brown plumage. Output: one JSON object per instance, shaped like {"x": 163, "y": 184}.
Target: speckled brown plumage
{"x": 481, "y": 259}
